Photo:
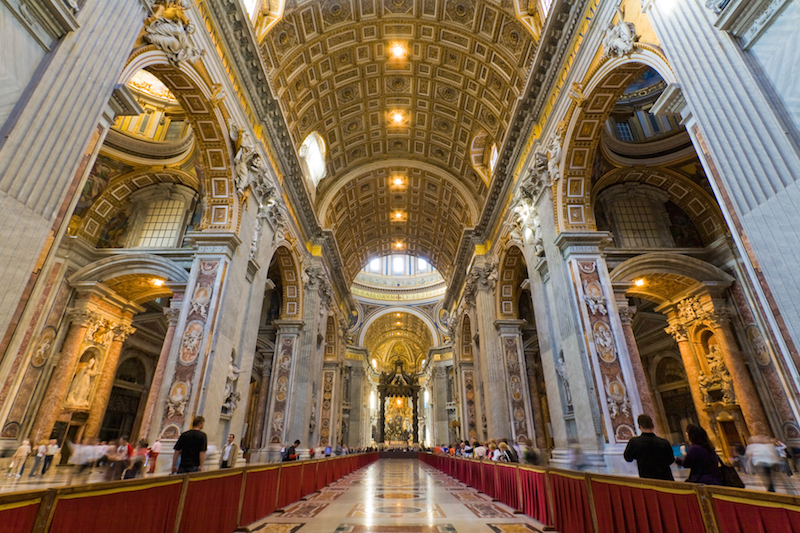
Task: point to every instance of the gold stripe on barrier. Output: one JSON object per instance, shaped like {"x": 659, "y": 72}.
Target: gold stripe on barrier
{"x": 756, "y": 503}
{"x": 579, "y": 477}
{"x": 15, "y": 505}
{"x": 117, "y": 490}
{"x": 214, "y": 476}
{"x": 668, "y": 490}
{"x": 253, "y": 470}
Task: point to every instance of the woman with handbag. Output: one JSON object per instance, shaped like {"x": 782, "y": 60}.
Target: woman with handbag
{"x": 701, "y": 458}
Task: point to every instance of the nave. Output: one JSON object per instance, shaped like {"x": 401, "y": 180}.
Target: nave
{"x": 397, "y": 496}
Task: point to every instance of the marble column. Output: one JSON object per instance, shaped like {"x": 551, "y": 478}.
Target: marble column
{"x": 105, "y": 381}
{"x": 441, "y": 433}
{"x": 482, "y": 279}
{"x": 80, "y": 320}
{"x": 518, "y": 401}
{"x": 626, "y": 313}
{"x": 746, "y": 394}
{"x": 172, "y": 314}
{"x": 43, "y": 146}
{"x": 540, "y": 433}
{"x": 263, "y": 397}
{"x": 355, "y": 438}
{"x": 678, "y": 331}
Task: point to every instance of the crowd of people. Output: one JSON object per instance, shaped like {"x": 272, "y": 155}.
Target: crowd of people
{"x": 654, "y": 457}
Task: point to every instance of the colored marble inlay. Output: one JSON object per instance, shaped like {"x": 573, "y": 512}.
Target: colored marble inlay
{"x": 487, "y": 510}
{"x": 513, "y": 528}
{"x": 399, "y": 510}
{"x": 304, "y": 509}
{"x": 272, "y": 527}
{"x": 377, "y": 528}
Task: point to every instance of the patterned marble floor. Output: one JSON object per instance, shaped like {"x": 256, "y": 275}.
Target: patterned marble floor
{"x": 397, "y": 496}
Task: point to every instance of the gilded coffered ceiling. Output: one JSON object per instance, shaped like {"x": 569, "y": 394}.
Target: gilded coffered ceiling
{"x": 391, "y": 328}
{"x": 335, "y": 68}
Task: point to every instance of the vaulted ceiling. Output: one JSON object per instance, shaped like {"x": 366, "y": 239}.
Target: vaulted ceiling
{"x": 387, "y": 331}
{"x": 332, "y": 68}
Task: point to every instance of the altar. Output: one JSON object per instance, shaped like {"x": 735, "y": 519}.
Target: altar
{"x": 399, "y": 407}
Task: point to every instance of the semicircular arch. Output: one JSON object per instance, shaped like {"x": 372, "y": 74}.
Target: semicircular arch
{"x": 393, "y": 310}
{"x": 602, "y": 87}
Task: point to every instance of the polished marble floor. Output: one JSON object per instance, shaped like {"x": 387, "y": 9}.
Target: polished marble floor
{"x": 397, "y": 496}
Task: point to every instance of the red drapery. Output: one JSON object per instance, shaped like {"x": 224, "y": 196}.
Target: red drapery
{"x": 534, "y": 495}
{"x": 19, "y": 517}
{"x": 508, "y": 485}
{"x": 291, "y": 484}
{"x": 571, "y": 505}
{"x": 476, "y": 475}
{"x": 261, "y": 492}
{"x": 120, "y": 509}
{"x": 309, "y": 477}
{"x": 738, "y": 516}
{"x": 322, "y": 473}
{"x": 631, "y": 507}
{"x": 211, "y": 504}
{"x": 488, "y": 479}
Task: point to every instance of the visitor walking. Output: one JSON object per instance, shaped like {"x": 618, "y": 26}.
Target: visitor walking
{"x": 763, "y": 457}
{"x": 652, "y": 454}
{"x": 191, "y": 449}
{"x": 701, "y": 458}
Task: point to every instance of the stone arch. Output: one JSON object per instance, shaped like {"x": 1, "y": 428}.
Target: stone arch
{"x": 683, "y": 192}
{"x": 602, "y": 87}
{"x": 191, "y": 86}
{"x": 132, "y": 354}
{"x": 291, "y": 303}
{"x": 666, "y": 275}
{"x": 508, "y": 281}
{"x": 408, "y": 310}
{"x": 130, "y": 275}
{"x": 115, "y": 197}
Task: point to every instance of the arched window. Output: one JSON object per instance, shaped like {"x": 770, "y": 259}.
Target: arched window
{"x": 493, "y": 155}
{"x": 312, "y": 154}
{"x": 161, "y": 215}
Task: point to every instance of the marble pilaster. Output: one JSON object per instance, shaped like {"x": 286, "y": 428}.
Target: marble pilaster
{"x": 105, "y": 381}
{"x": 519, "y": 404}
{"x": 80, "y": 320}
{"x": 441, "y": 430}
{"x": 173, "y": 314}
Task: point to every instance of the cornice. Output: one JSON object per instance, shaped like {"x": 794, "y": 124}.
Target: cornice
{"x": 556, "y": 37}
{"x": 238, "y": 37}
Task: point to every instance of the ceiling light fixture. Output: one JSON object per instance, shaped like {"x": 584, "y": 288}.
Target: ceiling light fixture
{"x": 639, "y": 282}
{"x": 398, "y": 50}
{"x": 398, "y": 215}
{"x": 398, "y": 181}
{"x": 399, "y": 244}
{"x": 157, "y": 282}
{"x": 397, "y": 117}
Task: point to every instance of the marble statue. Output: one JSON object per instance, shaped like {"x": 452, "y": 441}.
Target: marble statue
{"x": 81, "y": 387}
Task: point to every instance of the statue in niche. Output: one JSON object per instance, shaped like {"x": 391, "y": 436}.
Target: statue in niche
{"x": 717, "y": 378}
{"x": 232, "y": 396}
{"x": 81, "y": 387}
{"x": 313, "y": 422}
{"x": 561, "y": 370}
{"x": 246, "y": 155}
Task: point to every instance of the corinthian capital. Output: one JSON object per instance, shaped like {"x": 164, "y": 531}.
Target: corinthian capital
{"x": 172, "y": 314}
{"x": 676, "y": 331}
{"x": 83, "y": 317}
{"x": 122, "y": 332}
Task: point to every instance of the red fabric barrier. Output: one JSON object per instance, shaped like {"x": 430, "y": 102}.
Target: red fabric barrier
{"x": 330, "y": 474}
{"x": 534, "y": 495}
{"x": 260, "y": 494}
{"x": 570, "y": 503}
{"x": 631, "y": 507}
{"x": 291, "y": 485}
{"x": 120, "y": 509}
{"x": 309, "y": 477}
{"x": 211, "y": 504}
{"x": 322, "y": 474}
{"x": 489, "y": 488}
{"x": 337, "y": 468}
{"x": 19, "y": 517}
{"x": 737, "y": 515}
{"x": 476, "y": 475}
{"x": 508, "y": 485}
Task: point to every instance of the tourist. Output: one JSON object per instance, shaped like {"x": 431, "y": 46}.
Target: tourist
{"x": 763, "y": 456}
{"x": 291, "y": 452}
{"x": 512, "y": 452}
{"x": 479, "y": 450}
{"x": 17, "y": 466}
{"x": 52, "y": 450}
{"x": 191, "y": 449}
{"x": 230, "y": 452}
{"x": 529, "y": 455}
{"x": 701, "y": 458}
{"x": 504, "y": 453}
{"x": 41, "y": 452}
{"x": 152, "y": 456}
{"x": 652, "y": 454}
{"x": 468, "y": 449}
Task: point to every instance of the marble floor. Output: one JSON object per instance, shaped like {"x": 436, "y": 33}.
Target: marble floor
{"x": 397, "y": 496}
